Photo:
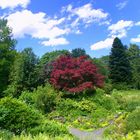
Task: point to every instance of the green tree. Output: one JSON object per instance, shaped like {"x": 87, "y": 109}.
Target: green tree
{"x": 134, "y": 58}
{"x": 51, "y": 56}
{"x": 23, "y": 74}
{"x": 120, "y": 71}
{"x": 102, "y": 65}
{"x": 7, "y": 54}
{"x": 79, "y": 52}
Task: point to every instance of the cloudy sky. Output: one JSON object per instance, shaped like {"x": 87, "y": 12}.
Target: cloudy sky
{"x": 47, "y": 25}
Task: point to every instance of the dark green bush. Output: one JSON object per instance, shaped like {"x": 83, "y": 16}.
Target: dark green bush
{"x": 133, "y": 121}
{"x": 16, "y": 116}
{"x": 108, "y": 88}
{"x": 122, "y": 86}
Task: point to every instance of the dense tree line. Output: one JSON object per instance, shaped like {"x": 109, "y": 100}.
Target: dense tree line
{"x": 23, "y": 70}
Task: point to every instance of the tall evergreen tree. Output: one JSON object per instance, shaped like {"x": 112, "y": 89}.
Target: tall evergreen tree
{"x": 120, "y": 70}
{"x": 7, "y": 54}
{"x": 134, "y": 58}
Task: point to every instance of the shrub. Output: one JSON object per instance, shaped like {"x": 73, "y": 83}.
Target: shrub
{"x": 46, "y": 98}
{"x": 108, "y": 88}
{"x": 87, "y": 106}
{"x": 75, "y": 74}
{"x": 43, "y": 98}
{"x": 51, "y": 128}
{"x": 5, "y": 135}
{"x": 133, "y": 121}
{"x": 122, "y": 86}
{"x": 28, "y": 97}
{"x": 65, "y": 106}
{"x": 104, "y": 100}
{"x": 16, "y": 116}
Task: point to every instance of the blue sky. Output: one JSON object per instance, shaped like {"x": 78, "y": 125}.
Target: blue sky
{"x": 67, "y": 24}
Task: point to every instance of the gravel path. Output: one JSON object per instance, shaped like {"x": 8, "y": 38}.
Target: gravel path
{"x": 83, "y": 135}
{"x": 92, "y": 135}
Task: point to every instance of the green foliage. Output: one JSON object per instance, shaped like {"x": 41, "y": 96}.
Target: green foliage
{"x": 102, "y": 65}
{"x": 39, "y": 137}
{"x": 127, "y": 100}
{"x": 104, "y": 100}
{"x": 78, "y": 52}
{"x": 86, "y": 105}
{"x": 5, "y": 135}
{"x": 28, "y": 97}
{"x": 120, "y": 70}
{"x": 7, "y": 54}
{"x": 51, "y": 128}
{"x": 65, "y": 106}
{"x": 108, "y": 88}
{"x": 117, "y": 129}
{"x": 51, "y": 56}
{"x": 23, "y": 75}
{"x": 134, "y": 58}
{"x": 16, "y": 116}
{"x": 133, "y": 120}
{"x": 46, "y": 98}
{"x": 122, "y": 86}
{"x": 44, "y": 66}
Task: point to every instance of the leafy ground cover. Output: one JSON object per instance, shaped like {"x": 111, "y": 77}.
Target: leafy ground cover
{"x": 118, "y": 112}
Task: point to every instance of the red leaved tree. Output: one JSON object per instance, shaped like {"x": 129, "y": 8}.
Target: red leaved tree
{"x": 75, "y": 74}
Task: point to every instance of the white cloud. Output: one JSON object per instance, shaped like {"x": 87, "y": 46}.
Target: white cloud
{"x": 86, "y": 13}
{"x": 137, "y": 23}
{"x": 122, "y": 5}
{"x": 107, "y": 43}
{"x": 136, "y": 40}
{"x": 55, "y": 42}
{"x": 120, "y": 28}
{"x": 36, "y": 25}
{"x": 13, "y": 3}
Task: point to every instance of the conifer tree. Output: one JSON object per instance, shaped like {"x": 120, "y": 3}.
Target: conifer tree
{"x": 134, "y": 58}
{"x": 120, "y": 71}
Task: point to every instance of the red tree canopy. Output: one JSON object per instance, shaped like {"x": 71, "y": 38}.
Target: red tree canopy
{"x": 75, "y": 74}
